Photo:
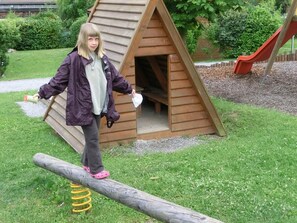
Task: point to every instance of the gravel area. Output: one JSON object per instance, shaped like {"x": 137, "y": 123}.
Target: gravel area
{"x": 33, "y": 109}
{"x": 29, "y": 108}
{"x": 276, "y": 91}
{"x": 166, "y": 145}
{"x": 22, "y": 85}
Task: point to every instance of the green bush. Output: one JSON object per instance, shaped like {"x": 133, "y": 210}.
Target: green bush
{"x": 74, "y": 30}
{"x": 9, "y": 36}
{"x": 191, "y": 39}
{"x": 226, "y": 32}
{"x": 260, "y": 25}
{"x": 3, "y": 62}
{"x": 42, "y": 31}
{"x": 243, "y": 32}
{"x": 69, "y": 10}
{"x": 282, "y": 5}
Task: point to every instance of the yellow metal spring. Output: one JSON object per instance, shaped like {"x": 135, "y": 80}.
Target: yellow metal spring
{"x": 81, "y": 198}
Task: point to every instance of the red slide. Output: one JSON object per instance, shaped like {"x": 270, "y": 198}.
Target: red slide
{"x": 244, "y": 63}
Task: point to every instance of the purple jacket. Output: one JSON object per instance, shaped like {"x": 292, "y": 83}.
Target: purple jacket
{"x": 71, "y": 74}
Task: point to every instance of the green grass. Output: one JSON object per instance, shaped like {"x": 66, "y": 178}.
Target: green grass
{"x": 287, "y": 47}
{"x": 34, "y": 63}
{"x": 248, "y": 176}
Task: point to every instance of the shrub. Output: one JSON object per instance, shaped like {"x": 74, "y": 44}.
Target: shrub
{"x": 227, "y": 31}
{"x": 260, "y": 25}
{"x": 42, "y": 31}
{"x": 70, "y": 10}
{"x": 191, "y": 39}
{"x": 243, "y": 32}
{"x": 3, "y": 62}
{"x": 74, "y": 30}
{"x": 9, "y": 36}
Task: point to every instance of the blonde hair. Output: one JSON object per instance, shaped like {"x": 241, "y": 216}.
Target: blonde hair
{"x": 86, "y": 30}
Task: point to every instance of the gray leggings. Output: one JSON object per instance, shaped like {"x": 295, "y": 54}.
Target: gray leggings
{"x": 91, "y": 156}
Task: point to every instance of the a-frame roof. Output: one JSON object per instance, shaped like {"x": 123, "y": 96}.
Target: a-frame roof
{"x": 119, "y": 22}
{"x": 122, "y": 25}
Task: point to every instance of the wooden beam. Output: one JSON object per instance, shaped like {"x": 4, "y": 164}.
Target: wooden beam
{"x": 158, "y": 72}
{"x": 150, "y": 205}
{"x": 141, "y": 79}
{"x": 93, "y": 10}
{"x": 281, "y": 37}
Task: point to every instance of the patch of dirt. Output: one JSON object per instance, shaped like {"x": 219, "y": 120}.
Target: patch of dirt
{"x": 278, "y": 90}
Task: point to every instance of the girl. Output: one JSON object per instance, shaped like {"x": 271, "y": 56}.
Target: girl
{"x": 90, "y": 78}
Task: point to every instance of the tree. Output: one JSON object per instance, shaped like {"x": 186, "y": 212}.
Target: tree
{"x": 186, "y": 14}
{"x": 70, "y": 10}
{"x": 242, "y": 32}
{"x": 283, "y": 5}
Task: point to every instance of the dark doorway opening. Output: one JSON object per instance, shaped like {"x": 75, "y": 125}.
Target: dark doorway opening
{"x": 151, "y": 73}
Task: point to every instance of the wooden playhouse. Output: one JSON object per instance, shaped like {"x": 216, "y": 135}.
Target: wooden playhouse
{"x": 144, "y": 45}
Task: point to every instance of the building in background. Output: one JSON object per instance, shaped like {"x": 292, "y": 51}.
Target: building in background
{"x": 25, "y": 7}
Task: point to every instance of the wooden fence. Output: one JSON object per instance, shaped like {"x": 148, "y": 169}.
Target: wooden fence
{"x": 279, "y": 58}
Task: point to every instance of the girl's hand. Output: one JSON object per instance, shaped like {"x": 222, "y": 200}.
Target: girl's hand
{"x": 133, "y": 92}
{"x": 36, "y": 96}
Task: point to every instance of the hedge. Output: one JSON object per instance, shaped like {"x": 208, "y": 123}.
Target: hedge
{"x": 9, "y": 36}
{"x": 42, "y": 31}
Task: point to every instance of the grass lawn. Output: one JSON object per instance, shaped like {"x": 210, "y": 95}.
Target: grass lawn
{"x": 248, "y": 176}
{"x": 287, "y": 47}
{"x": 34, "y": 63}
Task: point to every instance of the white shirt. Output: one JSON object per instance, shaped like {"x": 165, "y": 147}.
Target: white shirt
{"x": 98, "y": 84}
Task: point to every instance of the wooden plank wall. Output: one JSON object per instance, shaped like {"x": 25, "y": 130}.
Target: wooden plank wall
{"x": 117, "y": 21}
{"x": 155, "y": 40}
{"x": 56, "y": 118}
{"x": 188, "y": 115}
{"x": 187, "y": 111}
{"x": 124, "y": 130}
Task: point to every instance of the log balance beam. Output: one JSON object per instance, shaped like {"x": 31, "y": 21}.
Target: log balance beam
{"x": 150, "y": 205}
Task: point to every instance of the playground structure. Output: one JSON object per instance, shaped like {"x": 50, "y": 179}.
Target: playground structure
{"x": 271, "y": 47}
{"x": 143, "y": 43}
{"x": 143, "y": 202}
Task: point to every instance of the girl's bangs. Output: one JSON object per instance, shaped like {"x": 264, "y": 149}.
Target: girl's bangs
{"x": 93, "y": 32}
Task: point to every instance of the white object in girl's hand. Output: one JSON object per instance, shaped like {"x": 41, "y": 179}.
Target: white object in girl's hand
{"x": 137, "y": 99}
